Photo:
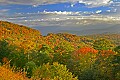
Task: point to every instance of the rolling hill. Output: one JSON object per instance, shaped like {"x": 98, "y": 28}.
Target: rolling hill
{"x": 29, "y": 39}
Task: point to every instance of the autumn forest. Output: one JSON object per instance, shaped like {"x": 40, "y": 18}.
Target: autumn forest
{"x": 25, "y": 54}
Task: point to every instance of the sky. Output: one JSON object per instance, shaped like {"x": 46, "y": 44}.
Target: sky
{"x": 50, "y": 15}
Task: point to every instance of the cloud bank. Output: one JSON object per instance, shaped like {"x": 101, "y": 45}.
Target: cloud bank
{"x": 91, "y": 3}
{"x": 59, "y": 19}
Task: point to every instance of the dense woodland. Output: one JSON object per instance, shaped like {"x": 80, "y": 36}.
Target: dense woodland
{"x": 27, "y": 55}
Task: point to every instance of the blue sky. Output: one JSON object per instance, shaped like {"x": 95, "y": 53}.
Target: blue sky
{"x": 33, "y": 6}
{"x": 52, "y": 7}
{"x": 13, "y": 8}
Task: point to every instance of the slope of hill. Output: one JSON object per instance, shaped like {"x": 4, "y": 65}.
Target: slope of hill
{"x": 47, "y": 57}
{"x": 19, "y": 35}
{"x": 113, "y": 37}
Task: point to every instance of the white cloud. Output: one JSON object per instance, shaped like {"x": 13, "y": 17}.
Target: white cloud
{"x": 35, "y": 5}
{"x": 98, "y": 11}
{"x": 115, "y": 7}
{"x": 91, "y": 3}
{"x": 62, "y": 13}
{"x": 108, "y": 10}
{"x": 95, "y": 3}
{"x": 72, "y": 5}
{"x": 3, "y": 11}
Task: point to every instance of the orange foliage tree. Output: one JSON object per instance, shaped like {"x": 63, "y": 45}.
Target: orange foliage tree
{"x": 8, "y": 74}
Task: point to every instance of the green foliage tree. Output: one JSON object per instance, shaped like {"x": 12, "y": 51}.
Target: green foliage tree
{"x": 64, "y": 47}
{"x": 52, "y": 72}
{"x": 117, "y": 49}
{"x": 61, "y": 58}
{"x": 116, "y": 66}
{"x": 103, "y": 68}
{"x": 40, "y": 58}
{"x": 46, "y": 49}
{"x": 82, "y": 66}
{"x": 4, "y": 49}
{"x": 29, "y": 66}
{"x": 18, "y": 59}
{"x": 103, "y": 44}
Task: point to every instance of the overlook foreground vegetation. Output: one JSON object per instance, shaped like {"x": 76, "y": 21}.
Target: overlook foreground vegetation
{"x": 27, "y": 55}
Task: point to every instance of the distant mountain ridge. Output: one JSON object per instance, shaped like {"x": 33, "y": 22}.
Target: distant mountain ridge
{"x": 112, "y": 30}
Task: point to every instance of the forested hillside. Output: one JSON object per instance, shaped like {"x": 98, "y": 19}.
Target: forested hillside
{"x": 115, "y": 38}
{"x": 26, "y": 54}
